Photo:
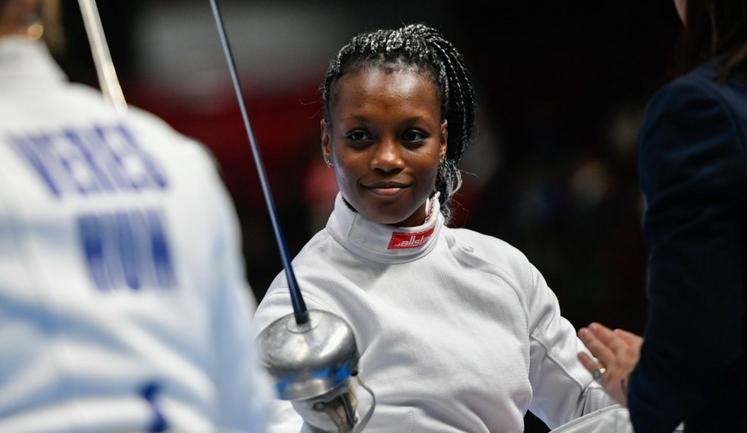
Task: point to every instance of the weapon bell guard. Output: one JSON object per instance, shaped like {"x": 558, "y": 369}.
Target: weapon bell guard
{"x": 314, "y": 365}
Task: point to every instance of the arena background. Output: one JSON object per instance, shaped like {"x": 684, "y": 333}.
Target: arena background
{"x": 561, "y": 89}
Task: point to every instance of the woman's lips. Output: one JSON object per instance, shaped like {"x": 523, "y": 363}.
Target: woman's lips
{"x": 386, "y": 192}
{"x": 385, "y": 189}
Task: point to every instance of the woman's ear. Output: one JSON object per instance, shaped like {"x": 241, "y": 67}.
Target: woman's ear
{"x": 444, "y": 140}
{"x": 326, "y": 142}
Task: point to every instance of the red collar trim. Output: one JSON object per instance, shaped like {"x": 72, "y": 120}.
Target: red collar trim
{"x": 408, "y": 240}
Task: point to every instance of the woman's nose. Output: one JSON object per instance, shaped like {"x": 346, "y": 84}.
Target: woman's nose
{"x": 387, "y": 156}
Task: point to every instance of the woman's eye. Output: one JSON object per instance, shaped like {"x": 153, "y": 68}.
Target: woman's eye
{"x": 358, "y": 135}
{"x": 414, "y": 136}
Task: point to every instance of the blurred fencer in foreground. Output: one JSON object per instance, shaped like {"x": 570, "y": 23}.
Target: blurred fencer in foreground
{"x": 123, "y": 302}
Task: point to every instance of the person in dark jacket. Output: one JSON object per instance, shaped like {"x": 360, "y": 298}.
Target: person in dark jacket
{"x": 693, "y": 169}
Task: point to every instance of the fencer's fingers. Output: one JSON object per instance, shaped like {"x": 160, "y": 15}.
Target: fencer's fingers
{"x": 611, "y": 379}
{"x": 599, "y": 372}
{"x": 596, "y": 346}
{"x": 611, "y": 340}
{"x": 630, "y": 338}
{"x": 588, "y": 362}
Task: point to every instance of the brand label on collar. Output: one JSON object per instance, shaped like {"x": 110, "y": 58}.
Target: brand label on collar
{"x": 403, "y": 240}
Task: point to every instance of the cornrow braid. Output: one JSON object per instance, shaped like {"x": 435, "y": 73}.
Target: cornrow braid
{"x": 425, "y": 50}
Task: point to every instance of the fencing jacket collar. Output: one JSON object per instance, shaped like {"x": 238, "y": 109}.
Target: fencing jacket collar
{"x": 27, "y": 61}
{"x": 384, "y": 243}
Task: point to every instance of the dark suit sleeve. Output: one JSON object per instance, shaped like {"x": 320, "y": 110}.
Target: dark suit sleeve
{"x": 691, "y": 166}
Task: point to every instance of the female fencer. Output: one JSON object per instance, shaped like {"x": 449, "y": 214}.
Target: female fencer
{"x": 458, "y": 332}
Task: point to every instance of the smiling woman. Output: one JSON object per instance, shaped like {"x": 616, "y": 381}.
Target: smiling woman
{"x": 428, "y": 58}
{"x": 385, "y": 140}
{"x": 457, "y": 330}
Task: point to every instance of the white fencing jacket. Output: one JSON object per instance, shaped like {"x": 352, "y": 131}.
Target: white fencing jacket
{"x": 123, "y": 303}
{"x": 457, "y": 331}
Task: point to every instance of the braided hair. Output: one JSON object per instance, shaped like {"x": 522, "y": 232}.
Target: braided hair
{"x": 422, "y": 49}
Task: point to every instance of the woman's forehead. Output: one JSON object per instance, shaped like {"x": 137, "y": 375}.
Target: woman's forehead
{"x": 385, "y": 86}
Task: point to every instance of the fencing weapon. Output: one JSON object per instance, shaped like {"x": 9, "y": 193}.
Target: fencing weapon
{"x": 311, "y": 354}
{"x": 101, "y": 57}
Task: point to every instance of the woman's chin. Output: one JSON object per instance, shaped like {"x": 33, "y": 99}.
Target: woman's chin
{"x": 401, "y": 219}
{"x": 390, "y": 212}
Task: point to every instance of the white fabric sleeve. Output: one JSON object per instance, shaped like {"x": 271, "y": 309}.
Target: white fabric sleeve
{"x": 243, "y": 386}
{"x": 611, "y": 419}
{"x": 562, "y": 388}
{"x": 284, "y": 419}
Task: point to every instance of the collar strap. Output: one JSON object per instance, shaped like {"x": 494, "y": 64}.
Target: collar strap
{"x": 384, "y": 243}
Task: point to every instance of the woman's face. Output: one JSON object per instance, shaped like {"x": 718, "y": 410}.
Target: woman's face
{"x": 16, "y": 16}
{"x": 385, "y": 140}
